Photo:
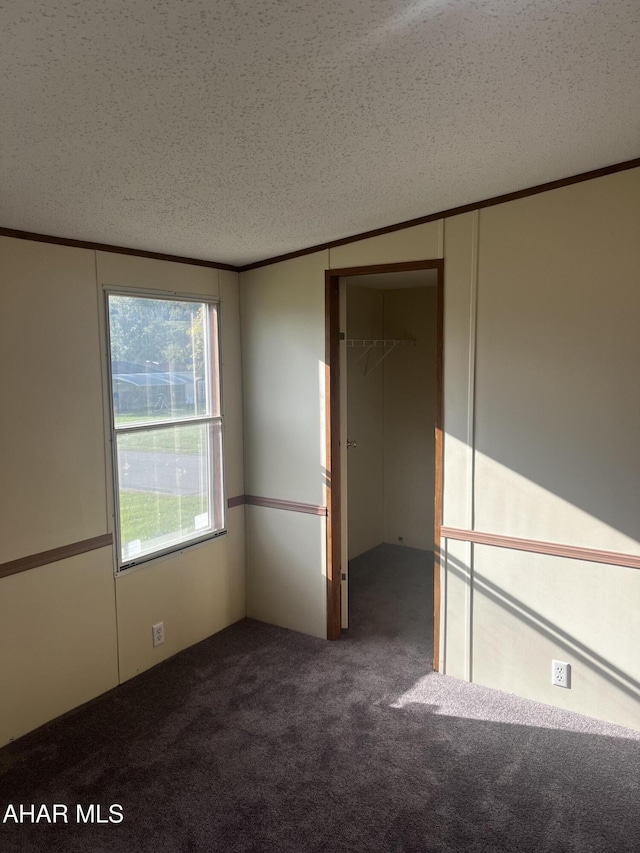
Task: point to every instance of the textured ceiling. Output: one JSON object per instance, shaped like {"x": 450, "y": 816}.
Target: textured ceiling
{"x": 236, "y": 131}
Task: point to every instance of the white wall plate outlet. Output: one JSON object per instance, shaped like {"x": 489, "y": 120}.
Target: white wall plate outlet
{"x": 560, "y": 673}
{"x": 158, "y": 634}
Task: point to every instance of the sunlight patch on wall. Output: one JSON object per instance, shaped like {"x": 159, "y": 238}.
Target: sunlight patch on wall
{"x": 481, "y": 493}
{"x": 508, "y": 503}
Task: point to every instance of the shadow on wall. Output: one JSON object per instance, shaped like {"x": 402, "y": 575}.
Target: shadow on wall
{"x": 555, "y": 408}
{"x": 536, "y": 505}
{"x": 576, "y": 650}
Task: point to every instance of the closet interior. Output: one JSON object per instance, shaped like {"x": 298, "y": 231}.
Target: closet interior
{"x": 391, "y": 351}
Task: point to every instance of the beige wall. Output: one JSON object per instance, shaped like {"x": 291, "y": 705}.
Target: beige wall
{"x": 283, "y": 362}
{"x": 409, "y": 417}
{"x": 53, "y": 444}
{"x": 195, "y": 592}
{"x": 70, "y": 631}
{"x": 542, "y": 414}
{"x": 410, "y": 244}
{"x": 365, "y": 423}
{"x": 286, "y": 577}
{"x": 557, "y": 383}
{"x": 531, "y": 608}
{"x": 58, "y": 641}
{"x": 460, "y": 301}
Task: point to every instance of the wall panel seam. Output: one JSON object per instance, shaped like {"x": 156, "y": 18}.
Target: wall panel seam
{"x": 471, "y": 388}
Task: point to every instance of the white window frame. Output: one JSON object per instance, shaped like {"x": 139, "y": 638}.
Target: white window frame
{"x": 216, "y": 474}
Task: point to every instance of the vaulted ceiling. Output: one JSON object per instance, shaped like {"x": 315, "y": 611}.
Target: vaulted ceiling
{"x": 239, "y": 130}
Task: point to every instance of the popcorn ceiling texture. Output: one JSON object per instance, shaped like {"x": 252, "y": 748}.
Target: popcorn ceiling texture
{"x": 236, "y": 131}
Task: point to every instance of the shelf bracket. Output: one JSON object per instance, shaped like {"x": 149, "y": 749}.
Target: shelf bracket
{"x": 368, "y": 344}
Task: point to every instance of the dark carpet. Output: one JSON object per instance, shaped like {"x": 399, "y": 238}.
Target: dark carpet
{"x": 261, "y": 739}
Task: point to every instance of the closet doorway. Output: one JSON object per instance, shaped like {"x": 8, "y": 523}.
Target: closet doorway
{"x": 384, "y": 416}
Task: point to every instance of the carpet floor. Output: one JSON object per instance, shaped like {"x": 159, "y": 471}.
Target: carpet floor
{"x": 262, "y": 739}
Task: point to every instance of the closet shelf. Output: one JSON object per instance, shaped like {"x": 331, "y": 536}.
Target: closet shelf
{"x": 385, "y": 344}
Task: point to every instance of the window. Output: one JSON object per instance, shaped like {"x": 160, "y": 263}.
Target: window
{"x": 166, "y": 423}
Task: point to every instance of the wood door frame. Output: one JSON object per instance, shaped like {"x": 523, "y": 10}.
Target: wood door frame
{"x": 332, "y": 402}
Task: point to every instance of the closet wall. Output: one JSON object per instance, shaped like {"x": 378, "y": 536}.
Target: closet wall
{"x": 365, "y": 423}
{"x": 391, "y": 416}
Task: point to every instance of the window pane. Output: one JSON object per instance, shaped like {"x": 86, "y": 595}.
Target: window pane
{"x": 160, "y": 359}
{"x": 165, "y": 491}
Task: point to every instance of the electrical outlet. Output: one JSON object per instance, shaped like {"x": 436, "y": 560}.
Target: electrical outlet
{"x": 158, "y": 634}
{"x": 560, "y": 673}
